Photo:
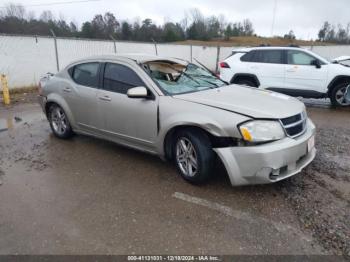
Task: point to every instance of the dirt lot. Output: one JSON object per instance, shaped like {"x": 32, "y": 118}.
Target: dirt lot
{"x": 87, "y": 196}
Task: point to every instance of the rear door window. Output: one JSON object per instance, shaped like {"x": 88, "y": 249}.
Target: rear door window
{"x": 268, "y": 56}
{"x": 86, "y": 74}
{"x": 119, "y": 78}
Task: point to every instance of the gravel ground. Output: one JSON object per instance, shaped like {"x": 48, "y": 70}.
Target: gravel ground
{"x": 321, "y": 197}
{"x": 74, "y": 204}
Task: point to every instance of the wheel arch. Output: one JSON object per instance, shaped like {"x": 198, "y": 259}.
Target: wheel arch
{"x": 56, "y": 99}
{"x": 252, "y": 77}
{"x": 215, "y": 139}
{"x": 337, "y": 80}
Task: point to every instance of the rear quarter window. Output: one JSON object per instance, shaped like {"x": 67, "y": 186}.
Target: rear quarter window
{"x": 86, "y": 74}
{"x": 248, "y": 57}
{"x": 235, "y": 53}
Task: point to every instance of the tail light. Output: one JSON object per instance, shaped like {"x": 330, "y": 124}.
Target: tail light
{"x": 224, "y": 65}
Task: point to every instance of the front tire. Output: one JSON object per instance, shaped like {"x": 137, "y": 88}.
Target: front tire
{"x": 59, "y": 122}
{"x": 337, "y": 95}
{"x": 193, "y": 155}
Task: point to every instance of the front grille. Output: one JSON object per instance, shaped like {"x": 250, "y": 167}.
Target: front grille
{"x": 295, "y": 125}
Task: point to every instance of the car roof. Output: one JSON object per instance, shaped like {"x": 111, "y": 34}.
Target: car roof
{"x": 248, "y": 49}
{"x": 136, "y": 57}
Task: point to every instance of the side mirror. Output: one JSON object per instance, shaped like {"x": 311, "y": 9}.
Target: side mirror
{"x": 316, "y": 63}
{"x": 137, "y": 92}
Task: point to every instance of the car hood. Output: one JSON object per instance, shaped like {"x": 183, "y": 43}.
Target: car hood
{"x": 341, "y": 59}
{"x": 247, "y": 101}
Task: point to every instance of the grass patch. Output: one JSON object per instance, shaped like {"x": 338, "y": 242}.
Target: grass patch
{"x": 252, "y": 41}
{"x": 22, "y": 90}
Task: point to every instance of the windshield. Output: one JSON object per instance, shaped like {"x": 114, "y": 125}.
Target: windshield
{"x": 179, "y": 79}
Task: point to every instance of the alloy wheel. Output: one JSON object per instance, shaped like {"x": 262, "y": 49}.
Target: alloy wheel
{"x": 59, "y": 120}
{"x": 340, "y": 96}
{"x": 186, "y": 157}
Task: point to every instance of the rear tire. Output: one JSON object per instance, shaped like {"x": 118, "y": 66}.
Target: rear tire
{"x": 337, "y": 95}
{"x": 193, "y": 155}
{"x": 59, "y": 122}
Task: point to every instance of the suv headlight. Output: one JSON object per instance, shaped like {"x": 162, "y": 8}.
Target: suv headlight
{"x": 261, "y": 131}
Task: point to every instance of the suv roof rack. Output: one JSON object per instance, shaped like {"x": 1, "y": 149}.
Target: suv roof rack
{"x": 268, "y": 45}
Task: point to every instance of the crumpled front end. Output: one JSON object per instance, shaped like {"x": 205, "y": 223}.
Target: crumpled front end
{"x": 270, "y": 162}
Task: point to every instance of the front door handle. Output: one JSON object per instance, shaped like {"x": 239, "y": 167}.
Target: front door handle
{"x": 105, "y": 98}
{"x": 67, "y": 89}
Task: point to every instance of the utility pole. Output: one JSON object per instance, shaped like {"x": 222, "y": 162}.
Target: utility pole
{"x": 56, "y": 51}
{"x": 191, "y": 51}
{"x": 115, "y": 46}
{"x": 155, "y": 45}
{"x": 273, "y": 18}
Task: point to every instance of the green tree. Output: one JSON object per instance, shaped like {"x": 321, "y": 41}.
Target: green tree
{"x": 126, "y": 31}
{"x": 290, "y": 35}
{"x": 86, "y": 30}
{"x": 228, "y": 32}
{"x": 172, "y": 32}
{"x": 324, "y": 31}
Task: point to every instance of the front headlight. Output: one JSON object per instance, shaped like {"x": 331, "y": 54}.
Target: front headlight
{"x": 261, "y": 131}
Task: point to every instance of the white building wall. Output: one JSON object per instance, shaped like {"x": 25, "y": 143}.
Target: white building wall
{"x": 24, "y": 59}
{"x": 331, "y": 52}
{"x": 178, "y": 51}
{"x": 205, "y": 55}
{"x": 71, "y": 50}
{"x": 133, "y": 47}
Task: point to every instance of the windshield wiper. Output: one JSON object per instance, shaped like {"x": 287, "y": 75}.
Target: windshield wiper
{"x": 194, "y": 80}
{"x": 199, "y": 75}
{"x": 210, "y": 72}
{"x": 190, "y": 76}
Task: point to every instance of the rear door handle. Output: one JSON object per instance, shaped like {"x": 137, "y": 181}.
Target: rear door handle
{"x": 105, "y": 98}
{"x": 67, "y": 89}
{"x": 291, "y": 70}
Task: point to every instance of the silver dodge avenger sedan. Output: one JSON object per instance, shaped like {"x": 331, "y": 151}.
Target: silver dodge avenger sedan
{"x": 181, "y": 112}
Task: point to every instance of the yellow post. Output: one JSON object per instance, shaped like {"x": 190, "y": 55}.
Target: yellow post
{"x": 9, "y": 123}
{"x": 5, "y": 90}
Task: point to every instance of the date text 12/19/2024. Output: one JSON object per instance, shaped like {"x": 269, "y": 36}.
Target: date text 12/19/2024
{"x": 173, "y": 258}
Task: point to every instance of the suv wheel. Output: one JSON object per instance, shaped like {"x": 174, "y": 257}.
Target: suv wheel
{"x": 337, "y": 95}
{"x": 59, "y": 123}
{"x": 193, "y": 155}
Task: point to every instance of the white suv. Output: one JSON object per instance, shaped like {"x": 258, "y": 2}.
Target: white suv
{"x": 290, "y": 70}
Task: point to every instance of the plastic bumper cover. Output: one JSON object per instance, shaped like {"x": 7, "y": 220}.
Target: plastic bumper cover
{"x": 268, "y": 163}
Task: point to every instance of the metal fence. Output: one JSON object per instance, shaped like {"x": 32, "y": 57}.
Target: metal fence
{"x": 24, "y": 59}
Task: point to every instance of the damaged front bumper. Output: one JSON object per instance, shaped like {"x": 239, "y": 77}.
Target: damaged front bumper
{"x": 271, "y": 162}
{"x": 42, "y": 101}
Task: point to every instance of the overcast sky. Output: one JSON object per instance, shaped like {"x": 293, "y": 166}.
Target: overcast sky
{"x": 305, "y": 17}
